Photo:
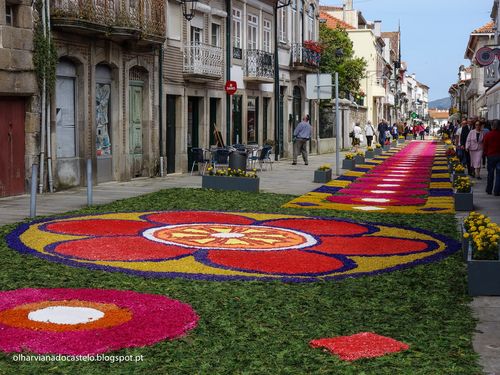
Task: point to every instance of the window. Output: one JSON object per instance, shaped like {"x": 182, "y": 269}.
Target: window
{"x": 196, "y": 35}
{"x": 311, "y": 34}
{"x": 9, "y": 15}
{"x": 294, "y": 17}
{"x": 282, "y": 25}
{"x": 252, "y": 29}
{"x": 236, "y": 28}
{"x": 267, "y": 36}
{"x": 215, "y": 35}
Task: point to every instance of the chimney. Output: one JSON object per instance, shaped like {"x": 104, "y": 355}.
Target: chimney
{"x": 377, "y": 28}
{"x": 348, "y": 4}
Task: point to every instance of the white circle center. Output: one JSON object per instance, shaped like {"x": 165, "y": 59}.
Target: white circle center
{"x": 227, "y": 235}
{"x": 65, "y": 315}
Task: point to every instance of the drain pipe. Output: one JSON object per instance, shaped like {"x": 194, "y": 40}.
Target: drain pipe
{"x": 47, "y": 111}
{"x": 228, "y": 69}
{"x": 43, "y": 118}
{"x": 160, "y": 106}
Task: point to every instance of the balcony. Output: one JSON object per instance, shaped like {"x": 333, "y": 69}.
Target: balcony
{"x": 259, "y": 66}
{"x": 140, "y": 21}
{"x": 202, "y": 62}
{"x": 304, "y": 58}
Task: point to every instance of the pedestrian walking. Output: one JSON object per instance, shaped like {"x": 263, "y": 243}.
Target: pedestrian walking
{"x": 301, "y": 135}
{"x": 463, "y": 139}
{"x": 474, "y": 145}
{"x": 382, "y": 128}
{"x": 356, "y": 136}
{"x": 369, "y": 132}
{"x": 491, "y": 148}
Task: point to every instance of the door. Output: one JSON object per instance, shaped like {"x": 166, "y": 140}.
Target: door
{"x": 135, "y": 129}
{"x": 193, "y": 124}
{"x": 213, "y": 120}
{"x": 296, "y": 106}
{"x": 171, "y": 133}
{"x": 237, "y": 119}
{"x": 265, "y": 118}
{"x": 103, "y": 124}
{"x": 282, "y": 122}
{"x": 252, "y": 120}
{"x": 12, "y": 172}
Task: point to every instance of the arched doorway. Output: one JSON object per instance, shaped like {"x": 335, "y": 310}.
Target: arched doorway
{"x": 137, "y": 77}
{"x": 67, "y": 166}
{"x": 103, "y": 123}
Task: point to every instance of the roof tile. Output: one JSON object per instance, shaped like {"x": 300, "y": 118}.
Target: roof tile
{"x": 334, "y": 23}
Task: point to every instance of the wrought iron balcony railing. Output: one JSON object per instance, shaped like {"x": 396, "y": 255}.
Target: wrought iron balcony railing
{"x": 259, "y": 65}
{"x": 203, "y": 60}
{"x": 142, "y": 17}
{"x": 491, "y": 74}
{"x": 303, "y": 56}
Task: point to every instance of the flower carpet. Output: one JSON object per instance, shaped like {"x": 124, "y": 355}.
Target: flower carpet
{"x": 412, "y": 180}
{"x": 88, "y": 321}
{"x": 215, "y": 245}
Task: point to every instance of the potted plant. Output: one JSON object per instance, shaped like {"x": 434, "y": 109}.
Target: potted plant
{"x": 483, "y": 264}
{"x": 401, "y": 139}
{"x": 463, "y": 194}
{"x": 323, "y": 174}
{"x": 359, "y": 157}
{"x": 458, "y": 170}
{"x": 231, "y": 179}
{"x": 387, "y": 145}
{"x": 378, "y": 149}
{"x": 348, "y": 162}
{"x": 451, "y": 152}
{"x": 369, "y": 152}
{"x": 470, "y": 224}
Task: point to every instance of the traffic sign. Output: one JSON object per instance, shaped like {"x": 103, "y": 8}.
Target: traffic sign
{"x": 231, "y": 87}
{"x": 319, "y": 84}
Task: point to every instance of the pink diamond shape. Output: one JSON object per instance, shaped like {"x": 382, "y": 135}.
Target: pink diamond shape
{"x": 360, "y": 345}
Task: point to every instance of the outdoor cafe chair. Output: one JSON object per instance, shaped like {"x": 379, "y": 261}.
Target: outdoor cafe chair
{"x": 220, "y": 157}
{"x": 199, "y": 159}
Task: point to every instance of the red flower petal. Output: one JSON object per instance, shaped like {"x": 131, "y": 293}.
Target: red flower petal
{"x": 119, "y": 249}
{"x": 320, "y": 226}
{"x": 188, "y": 217}
{"x": 369, "y": 245}
{"x": 98, "y": 227}
{"x": 281, "y": 262}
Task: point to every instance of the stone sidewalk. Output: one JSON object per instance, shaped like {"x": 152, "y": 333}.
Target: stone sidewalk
{"x": 284, "y": 178}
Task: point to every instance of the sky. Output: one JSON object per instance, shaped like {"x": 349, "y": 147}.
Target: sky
{"x": 434, "y": 34}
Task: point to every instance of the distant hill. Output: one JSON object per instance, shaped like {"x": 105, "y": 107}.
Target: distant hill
{"x": 444, "y": 103}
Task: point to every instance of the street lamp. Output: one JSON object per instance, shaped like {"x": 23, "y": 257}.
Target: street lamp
{"x": 188, "y": 8}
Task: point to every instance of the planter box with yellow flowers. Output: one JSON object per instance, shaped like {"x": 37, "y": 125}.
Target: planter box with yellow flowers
{"x": 483, "y": 256}
{"x": 348, "y": 162}
{"x": 370, "y": 153}
{"x": 228, "y": 179}
{"x": 458, "y": 170}
{"x": 323, "y": 174}
{"x": 463, "y": 194}
{"x": 378, "y": 149}
{"x": 401, "y": 139}
{"x": 360, "y": 157}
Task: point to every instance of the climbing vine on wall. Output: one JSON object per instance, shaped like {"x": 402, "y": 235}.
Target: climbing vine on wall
{"x": 44, "y": 52}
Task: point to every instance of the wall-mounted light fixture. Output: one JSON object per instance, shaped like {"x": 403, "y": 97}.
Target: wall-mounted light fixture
{"x": 188, "y": 8}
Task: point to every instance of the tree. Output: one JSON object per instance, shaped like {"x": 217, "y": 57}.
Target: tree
{"x": 351, "y": 69}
